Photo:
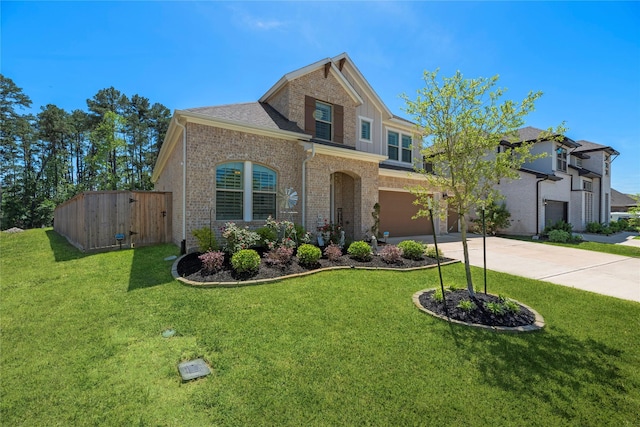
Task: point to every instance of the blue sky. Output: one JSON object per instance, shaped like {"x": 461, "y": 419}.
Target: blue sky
{"x": 584, "y": 56}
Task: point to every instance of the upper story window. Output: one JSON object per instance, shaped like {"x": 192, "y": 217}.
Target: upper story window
{"x": 578, "y": 162}
{"x": 324, "y": 120}
{"x": 240, "y": 199}
{"x": 587, "y": 185}
{"x": 561, "y": 159}
{"x": 607, "y": 164}
{"x": 365, "y": 129}
{"x": 399, "y": 147}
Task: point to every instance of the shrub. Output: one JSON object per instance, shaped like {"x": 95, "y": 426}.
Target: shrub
{"x": 576, "y": 238}
{"x": 206, "y": 239}
{"x": 511, "y": 306}
{"x": 267, "y": 235}
{"x": 212, "y": 261}
{"x": 496, "y": 218}
{"x": 332, "y": 252}
{"x": 559, "y": 236}
{"x": 390, "y": 254}
{"x": 245, "y": 261}
{"x": 560, "y": 225}
{"x": 411, "y": 249}
{"x": 438, "y": 296}
{"x": 466, "y": 305}
{"x": 308, "y": 254}
{"x": 494, "y": 307}
{"x": 431, "y": 252}
{"x": 594, "y": 227}
{"x": 278, "y": 257}
{"x": 360, "y": 251}
{"x": 239, "y": 238}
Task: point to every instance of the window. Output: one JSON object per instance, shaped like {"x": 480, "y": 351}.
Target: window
{"x": 229, "y": 191}
{"x": 240, "y": 199}
{"x": 406, "y": 148}
{"x": 264, "y": 192}
{"x": 365, "y": 130}
{"x": 561, "y": 159}
{"x": 607, "y": 163}
{"x": 399, "y": 147}
{"x": 587, "y": 185}
{"x": 578, "y": 162}
{"x": 392, "y": 143}
{"x": 324, "y": 119}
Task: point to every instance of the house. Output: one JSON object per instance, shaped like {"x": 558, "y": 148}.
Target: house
{"x": 621, "y": 202}
{"x": 320, "y": 132}
{"x": 571, "y": 183}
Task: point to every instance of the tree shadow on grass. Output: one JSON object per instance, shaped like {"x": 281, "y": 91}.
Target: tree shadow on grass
{"x": 551, "y": 365}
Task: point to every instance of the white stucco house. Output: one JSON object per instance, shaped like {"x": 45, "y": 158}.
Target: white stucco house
{"x": 571, "y": 183}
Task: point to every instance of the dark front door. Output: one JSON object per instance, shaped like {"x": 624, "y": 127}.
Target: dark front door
{"x": 555, "y": 211}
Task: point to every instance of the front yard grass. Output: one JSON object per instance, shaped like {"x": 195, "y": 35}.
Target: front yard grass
{"x": 82, "y": 345}
{"x": 609, "y": 248}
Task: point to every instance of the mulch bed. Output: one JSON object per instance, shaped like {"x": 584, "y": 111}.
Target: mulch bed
{"x": 480, "y": 315}
{"x": 190, "y": 267}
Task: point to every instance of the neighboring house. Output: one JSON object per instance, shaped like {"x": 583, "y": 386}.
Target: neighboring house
{"x": 571, "y": 183}
{"x": 321, "y": 131}
{"x": 621, "y": 202}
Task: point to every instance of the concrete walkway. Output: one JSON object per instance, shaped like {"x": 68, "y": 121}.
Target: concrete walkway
{"x": 607, "y": 274}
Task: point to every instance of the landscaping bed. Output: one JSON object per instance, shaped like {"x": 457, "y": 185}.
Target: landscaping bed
{"x": 190, "y": 268}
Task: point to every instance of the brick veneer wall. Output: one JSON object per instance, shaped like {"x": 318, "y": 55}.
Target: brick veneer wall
{"x": 171, "y": 180}
{"x": 209, "y": 146}
{"x": 289, "y": 100}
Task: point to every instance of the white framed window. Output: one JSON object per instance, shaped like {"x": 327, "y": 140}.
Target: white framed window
{"x": 324, "y": 120}
{"x": 561, "y": 159}
{"x": 245, "y": 191}
{"x": 587, "y": 185}
{"x": 365, "y": 129}
{"x": 578, "y": 162}
{"x": 399, "y": 147}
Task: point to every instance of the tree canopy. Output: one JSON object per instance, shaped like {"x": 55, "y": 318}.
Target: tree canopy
{"x": 470, "y": 142}
{"x": 49, "y": 157}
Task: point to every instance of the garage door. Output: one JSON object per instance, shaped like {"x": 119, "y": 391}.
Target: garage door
{"x": 396, "y": 210}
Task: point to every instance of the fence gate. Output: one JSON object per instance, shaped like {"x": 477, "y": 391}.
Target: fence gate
{"x": 149, "y": 218}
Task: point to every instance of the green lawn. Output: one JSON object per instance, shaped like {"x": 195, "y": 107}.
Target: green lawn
{"x": 609, "y": 248}
{"x": 81, "y": 345}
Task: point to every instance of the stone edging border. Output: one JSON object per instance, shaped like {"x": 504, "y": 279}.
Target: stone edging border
{"x": 537, "y": 325}
{"x": 174, "y": 273}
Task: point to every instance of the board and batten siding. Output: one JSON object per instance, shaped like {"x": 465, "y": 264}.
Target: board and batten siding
{"x": 91, "y": 220}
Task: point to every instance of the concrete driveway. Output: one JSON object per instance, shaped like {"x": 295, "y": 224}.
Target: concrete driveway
{"x": 606, "y": 274}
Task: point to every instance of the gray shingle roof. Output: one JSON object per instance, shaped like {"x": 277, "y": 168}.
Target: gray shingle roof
{"x": 250, "y": 113}
{"x": 587, "y": 146}
{"x": 621, "y": 199}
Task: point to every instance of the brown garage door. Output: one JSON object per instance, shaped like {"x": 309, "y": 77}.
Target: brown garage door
{"x": 396, "y": 210}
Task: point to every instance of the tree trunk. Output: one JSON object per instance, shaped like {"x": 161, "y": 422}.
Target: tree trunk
{"x": 467, "y": 268}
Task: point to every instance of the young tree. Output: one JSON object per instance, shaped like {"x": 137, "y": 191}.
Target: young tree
{"x": 463, "y": 124}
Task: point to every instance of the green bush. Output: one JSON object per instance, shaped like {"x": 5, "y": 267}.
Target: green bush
{"x": 594, "y": 227}
{"x": 308, "y": 254}
{"x": 496, "y": 218}
{"x": 559, "y": 236}
{"x": 411, "y": 249}
{"x": 560, "y": 225}
{"x": 360, "y": 250}
{"x": 466, "y": 305}
{"x": 267, "y": 234}
{"x": 245, "y": 261}
{"x": 431, "y": 252}
{"x": 206, "y": 239}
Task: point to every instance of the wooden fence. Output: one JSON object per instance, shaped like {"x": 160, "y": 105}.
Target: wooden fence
{"x": 93, "y": 220}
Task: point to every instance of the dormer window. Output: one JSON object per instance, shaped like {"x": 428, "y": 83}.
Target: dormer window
{"x": 561, "y": 159}
{"x": 324, "y": 120}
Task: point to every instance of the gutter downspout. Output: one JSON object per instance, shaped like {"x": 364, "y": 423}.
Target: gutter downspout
{"x": 304, "y": 184}
{"x": 183, "y": 243}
